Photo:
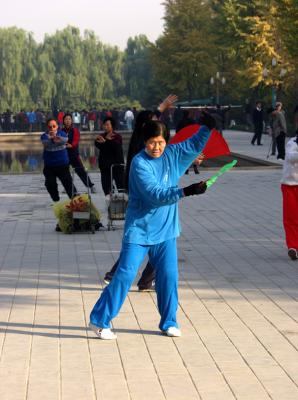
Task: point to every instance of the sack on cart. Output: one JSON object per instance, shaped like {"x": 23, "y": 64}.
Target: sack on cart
{"x": 77, "y": 214}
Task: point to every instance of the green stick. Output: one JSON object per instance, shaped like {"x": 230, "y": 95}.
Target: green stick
{"x": 223, "y": 169}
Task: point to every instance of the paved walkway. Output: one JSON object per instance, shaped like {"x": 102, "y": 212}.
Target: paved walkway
{"x": 238, "y": 305}
{"x": 239, "y": 142}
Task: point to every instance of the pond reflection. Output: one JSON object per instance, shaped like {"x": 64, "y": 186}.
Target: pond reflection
{"x": 29, "y": 160}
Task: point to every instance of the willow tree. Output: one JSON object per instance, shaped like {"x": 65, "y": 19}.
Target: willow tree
{"x": 43, "y": 87}
{"x": 95, "y": 66}
{"x": 114, "y": 72}
{"x": 17, "y": 49}
{"x": 65, "y": 50}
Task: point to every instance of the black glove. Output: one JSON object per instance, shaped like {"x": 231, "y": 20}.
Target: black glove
{"x": 195, "y": 188}
{"x": 207, "y": 120}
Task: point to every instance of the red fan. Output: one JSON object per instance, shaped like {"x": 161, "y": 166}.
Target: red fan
{"x": 216, "y": 145}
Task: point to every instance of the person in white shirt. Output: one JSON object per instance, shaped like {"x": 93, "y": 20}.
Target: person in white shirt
{"x": 129, "y": 117}
{"x": 289, "y": 188}
{"x": 76, "y": 118}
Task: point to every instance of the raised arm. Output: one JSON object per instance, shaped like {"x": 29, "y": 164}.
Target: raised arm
{"x": 167, "y": 102}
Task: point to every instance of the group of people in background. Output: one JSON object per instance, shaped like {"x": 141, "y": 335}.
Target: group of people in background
{"x": 92, "y": 120}
{"x": 276, "y": 127}
{"x": 61, "y": 150}
{"x": 85, "y": 120}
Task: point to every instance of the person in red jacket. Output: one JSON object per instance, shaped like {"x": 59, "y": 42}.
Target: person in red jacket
{"x": 91, "y": 120}
{"x": 72, "y": 145}
{"x": 60, "y": 117}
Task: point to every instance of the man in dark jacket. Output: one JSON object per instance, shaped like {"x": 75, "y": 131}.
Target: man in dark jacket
{"x": 258, "y": 121}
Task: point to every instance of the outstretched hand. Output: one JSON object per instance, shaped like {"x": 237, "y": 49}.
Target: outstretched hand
{"x": 167, "y": 102}
{"x": 100, "y": 139}
{"x": 56, "y": 139}
{"x": 199, "y": 159}
{"x": 195, "y": 188}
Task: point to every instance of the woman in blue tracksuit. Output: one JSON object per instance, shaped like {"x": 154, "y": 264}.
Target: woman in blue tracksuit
{"x": 152, "y": 224}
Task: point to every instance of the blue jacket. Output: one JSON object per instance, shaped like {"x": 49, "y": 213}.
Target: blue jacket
{"x": 54, "y": 154}
{"x": 152, "y": 212}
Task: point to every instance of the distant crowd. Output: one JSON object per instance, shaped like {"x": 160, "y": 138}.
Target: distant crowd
{"x": 85, "y": 120}
{"x": 92, "y": 120}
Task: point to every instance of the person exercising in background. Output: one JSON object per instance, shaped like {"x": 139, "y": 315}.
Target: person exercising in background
{"x": 72, "y": 145}
{"x": 110, "y": 149}
{"x": 56, "y": 160}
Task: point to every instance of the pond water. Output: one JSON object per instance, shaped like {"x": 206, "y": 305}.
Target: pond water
{"x": 21, "y": 158}
{"x": 29, "y": 160}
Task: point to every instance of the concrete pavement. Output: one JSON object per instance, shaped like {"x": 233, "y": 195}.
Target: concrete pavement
{"x": 238, "y": 305}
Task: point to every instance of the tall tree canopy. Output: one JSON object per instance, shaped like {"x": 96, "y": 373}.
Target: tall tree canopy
{"x": 236, "y": 38}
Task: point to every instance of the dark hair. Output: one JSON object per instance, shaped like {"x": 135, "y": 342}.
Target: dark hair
{"x": 270, "y": 110}
{"x": 156, "y": 113}
{"x": 67, "y": 115}
{"x": 153, "y": 129}
{"x": 136, "y": 142}
{"x": 185, "y": 114}
{"x": 52, "y": 119}
{"x": 111, "y": 119}
{"x": 142, "y": 117}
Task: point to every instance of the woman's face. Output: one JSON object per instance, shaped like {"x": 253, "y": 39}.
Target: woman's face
{"x": 155, "y": 146}
{"x": 107, "y": 126}
{"x": 67, "y": 121}
{"x": 52, "y": 127}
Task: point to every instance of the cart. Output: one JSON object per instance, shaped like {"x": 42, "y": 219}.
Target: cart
{"x": 81, "y": 219}
{"x": 117, "y": 202}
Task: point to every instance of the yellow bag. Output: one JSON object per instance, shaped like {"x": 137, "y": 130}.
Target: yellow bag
{"x": 63, "y": 211}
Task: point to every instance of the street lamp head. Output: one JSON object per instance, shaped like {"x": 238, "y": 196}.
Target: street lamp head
{"x": 274, "y": 62}
{"x": 283, "y": 72}
{"x": 217, "y": 75}
{"x": 223, "y": 80}
{"x": 212, "y": 80}
{"x": 265, "y": 72}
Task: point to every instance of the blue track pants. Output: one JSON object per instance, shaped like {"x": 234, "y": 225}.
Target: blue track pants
{"x": 163, "y": 256}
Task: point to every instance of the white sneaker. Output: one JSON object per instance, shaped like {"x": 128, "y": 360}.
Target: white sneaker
{"x": 172, "y": 331}
{"x": 93, "y": 189}
{"x": 103, "y": 333}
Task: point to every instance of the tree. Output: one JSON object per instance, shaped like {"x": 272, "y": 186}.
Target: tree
{"x": 114, "y": 65}
{"x": 185, "y": 57}
{"x": 43, "y": 87}
{"x": 260, "y": 31}
{"x": 17, "y": 70}
{"x": 137, "y": 71}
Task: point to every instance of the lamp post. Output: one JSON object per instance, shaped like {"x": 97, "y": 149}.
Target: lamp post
{"x": 217, "y": 80}
{"x": 274, "y": 84}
